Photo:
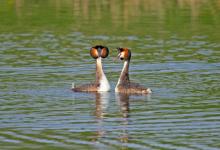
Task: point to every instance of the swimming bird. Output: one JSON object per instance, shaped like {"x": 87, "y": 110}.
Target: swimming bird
{"x": 101, "y": 83}
{"x": 124, "y": 84}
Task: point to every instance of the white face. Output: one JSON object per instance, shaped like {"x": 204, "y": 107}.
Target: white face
{"x": 121, "y": 55}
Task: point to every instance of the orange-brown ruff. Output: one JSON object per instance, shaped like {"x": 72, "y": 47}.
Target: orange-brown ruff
{"x": 124, "y": 85}
{"x": 101, "y": 83}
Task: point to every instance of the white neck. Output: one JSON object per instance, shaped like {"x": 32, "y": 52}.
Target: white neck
{"x": 104, "y": 84}
{"x": 125, "y": 67}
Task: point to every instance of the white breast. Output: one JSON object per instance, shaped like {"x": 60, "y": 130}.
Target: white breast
{"x": 104, "y": 84}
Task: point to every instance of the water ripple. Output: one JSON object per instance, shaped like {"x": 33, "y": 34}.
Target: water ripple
{"x": 38, "y": 107}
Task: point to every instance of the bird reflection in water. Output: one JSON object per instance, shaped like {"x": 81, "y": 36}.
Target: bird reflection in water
{"x": 102, "y": 103}
{"x": 102, "y": 100}
{"x": 123, "y": 102}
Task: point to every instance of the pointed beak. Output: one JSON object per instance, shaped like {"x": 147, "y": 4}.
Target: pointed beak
{"x": 118, "y": 56}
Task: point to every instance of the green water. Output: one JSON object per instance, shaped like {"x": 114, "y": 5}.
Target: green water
{"x": 44, "y": 47}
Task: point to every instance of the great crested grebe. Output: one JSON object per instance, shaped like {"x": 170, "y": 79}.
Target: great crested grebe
{"x": 101, "y": 83}
{"x": 124, "y": 85}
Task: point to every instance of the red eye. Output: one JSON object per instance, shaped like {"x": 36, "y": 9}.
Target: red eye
{"x": 94, "y": 53}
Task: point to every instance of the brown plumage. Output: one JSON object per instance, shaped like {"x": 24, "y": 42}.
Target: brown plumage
{"x": 101, "y": 83}
{"x": 92, "y": 87}
{"x": 124, "y": 84}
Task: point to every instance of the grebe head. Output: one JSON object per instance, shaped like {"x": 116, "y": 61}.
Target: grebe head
{"x": 99, "y": 51}
{"x": 124, "y": 54}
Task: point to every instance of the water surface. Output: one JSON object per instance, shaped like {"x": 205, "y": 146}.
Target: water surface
{"x": 44, "y": 47}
